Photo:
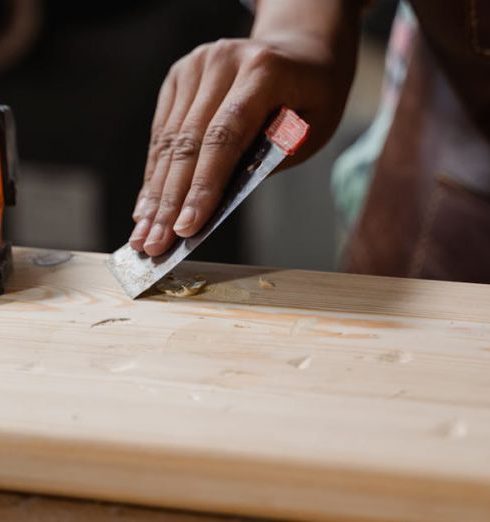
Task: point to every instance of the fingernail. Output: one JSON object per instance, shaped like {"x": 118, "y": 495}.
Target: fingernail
{"x": 140, "y": 230}
{"x": 156, "y": 234}
{"x": 185, "y": 219}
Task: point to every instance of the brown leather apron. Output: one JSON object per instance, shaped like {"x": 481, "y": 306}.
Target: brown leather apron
{"x": 428, "y": 211}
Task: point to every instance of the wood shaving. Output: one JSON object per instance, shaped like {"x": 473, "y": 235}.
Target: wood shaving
{"x": 182, "y": 287}
{"x": 266, "y": 284}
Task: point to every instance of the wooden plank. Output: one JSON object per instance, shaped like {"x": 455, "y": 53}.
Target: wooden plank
{"x": 325, "y": 396}
{"x": 15, "y": 507}
{"x": 309, "y": 290}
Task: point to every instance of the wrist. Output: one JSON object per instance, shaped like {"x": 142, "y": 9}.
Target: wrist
{"x": 319, "y": 26}
{"x": 314, "y": 17}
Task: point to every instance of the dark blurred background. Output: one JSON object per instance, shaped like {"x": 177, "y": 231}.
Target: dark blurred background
{"x": 83, "y": 90}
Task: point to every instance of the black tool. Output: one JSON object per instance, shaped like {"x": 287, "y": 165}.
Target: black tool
{"x": 8, "y": 171}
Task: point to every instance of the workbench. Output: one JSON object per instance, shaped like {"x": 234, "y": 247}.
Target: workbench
{"x": 274, "y": 394}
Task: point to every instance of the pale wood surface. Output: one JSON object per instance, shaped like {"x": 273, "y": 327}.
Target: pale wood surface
{"x": 327, "y": 396}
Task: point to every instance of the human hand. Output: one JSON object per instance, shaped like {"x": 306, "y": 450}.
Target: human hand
{"x": 212, "y": 105}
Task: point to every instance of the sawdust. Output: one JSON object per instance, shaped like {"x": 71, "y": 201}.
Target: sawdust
{"x": 182, "y": 287}
{"x": 266, "y": 284}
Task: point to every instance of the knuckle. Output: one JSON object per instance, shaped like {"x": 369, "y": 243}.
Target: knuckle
{"x": 222, "y": 47}
{"x": 236, "y": 109}
{"x": 144, "y": 191}
{"x": 149, "y": 169}
{"x": 200, "y": 50}
{"x": 201, "y": 188}
{"x": 192, "y": 60}
{"x": 152, "y": 198}
{"x": 176, "y": 67}
{"x": 162, "y": 141}
{"x": 169, "y": 202}
{"x": 152, "y": 201}
{"x": 263, "y": 57}
{"x": 186, "y": 146}
{"x": 172, "y": 74}
{"x": 180, "y": 146}
{"x": 221, "y": 136}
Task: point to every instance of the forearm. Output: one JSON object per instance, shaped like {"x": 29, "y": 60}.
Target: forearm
{"x": 334, "y": 23}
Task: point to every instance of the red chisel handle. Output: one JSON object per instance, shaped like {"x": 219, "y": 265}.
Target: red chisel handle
{"x": 288, "y": 131}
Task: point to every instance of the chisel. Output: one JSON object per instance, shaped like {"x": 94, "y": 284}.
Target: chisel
{"x": 137, "y": 272}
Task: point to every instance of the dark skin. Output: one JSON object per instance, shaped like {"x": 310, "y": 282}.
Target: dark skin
{"x": 215, "y": 100}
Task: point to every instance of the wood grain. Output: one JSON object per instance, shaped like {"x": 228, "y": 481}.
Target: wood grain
{"x": 325, "y": 397}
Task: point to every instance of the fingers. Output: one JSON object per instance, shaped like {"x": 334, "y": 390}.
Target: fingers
{"x": 164, "y": 133}
{"x": 165, "y": 102}
{"x": 186, "y": 150}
